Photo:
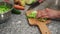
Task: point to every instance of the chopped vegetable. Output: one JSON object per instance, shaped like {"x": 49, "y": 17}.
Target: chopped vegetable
{"x": 3, "y": 9}
{"x": 42, "y": 19}
{"x": 33, "y": 14}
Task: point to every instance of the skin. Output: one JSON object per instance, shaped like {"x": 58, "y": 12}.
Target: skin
{"x": 40, "y": 1}
{"x": 48, "y": 13}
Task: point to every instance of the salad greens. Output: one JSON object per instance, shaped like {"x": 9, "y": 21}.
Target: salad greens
{"x": 42, "y": 19}
{"x": 4, "y": 9}
{"x": 33, "y": 15}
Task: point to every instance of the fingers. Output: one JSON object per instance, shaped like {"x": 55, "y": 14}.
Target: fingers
{"x": 42, "y": 14}
{"x": 47, "y": 13}
{"x": 51, "y": 13}
{"x": 39, "y": 14}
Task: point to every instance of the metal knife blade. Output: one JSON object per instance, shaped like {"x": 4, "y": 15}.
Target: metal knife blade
{"x": 34, "y": 5}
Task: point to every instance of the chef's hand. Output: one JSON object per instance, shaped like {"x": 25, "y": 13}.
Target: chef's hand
{"x": 47, "y": 13}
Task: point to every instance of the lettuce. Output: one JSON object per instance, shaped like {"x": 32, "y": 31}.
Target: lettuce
{"x": 32, "y": 14}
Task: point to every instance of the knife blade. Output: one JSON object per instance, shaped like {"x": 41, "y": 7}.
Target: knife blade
{"x": 34, "y": 5}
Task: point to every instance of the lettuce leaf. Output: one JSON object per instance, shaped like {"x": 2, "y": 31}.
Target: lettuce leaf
{"x": 32, "y": 14}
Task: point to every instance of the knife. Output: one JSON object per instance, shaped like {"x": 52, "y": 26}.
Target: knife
{"x": 34, "y": 5}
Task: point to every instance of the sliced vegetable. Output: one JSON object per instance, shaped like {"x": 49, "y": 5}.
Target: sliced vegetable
{"x": 19, "y": 7}
{"x": 15, "y": 11}
{"x": 33, "y": 14}
{"x": 4, "y": 9}
{"x": 42, "y": 19}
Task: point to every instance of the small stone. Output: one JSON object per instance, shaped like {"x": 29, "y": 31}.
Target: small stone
{"x": 19, "y": 22}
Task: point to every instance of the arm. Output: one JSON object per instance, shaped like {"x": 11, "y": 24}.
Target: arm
{"x": 58, "y": 16}
{"x": 48, "y": 13}
{"x": 53, "y": 13}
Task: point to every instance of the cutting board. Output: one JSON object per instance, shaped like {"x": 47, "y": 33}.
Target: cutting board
{"x": 42, "y": 25}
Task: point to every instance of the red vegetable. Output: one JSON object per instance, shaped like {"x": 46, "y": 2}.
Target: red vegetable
{"x": 19, "y": 7}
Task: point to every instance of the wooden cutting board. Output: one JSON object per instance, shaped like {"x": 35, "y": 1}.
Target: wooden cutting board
{"x": 42, "y": 25}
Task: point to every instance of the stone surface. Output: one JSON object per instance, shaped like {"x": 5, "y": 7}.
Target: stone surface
{"x": 18, "y": 24}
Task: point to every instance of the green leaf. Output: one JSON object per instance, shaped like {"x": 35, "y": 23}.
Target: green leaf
{"x": 33, "y": 14}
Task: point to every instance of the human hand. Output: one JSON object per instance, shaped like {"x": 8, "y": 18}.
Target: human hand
{"x": 47, "y": 13}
